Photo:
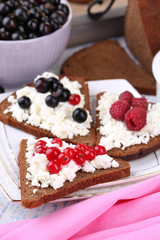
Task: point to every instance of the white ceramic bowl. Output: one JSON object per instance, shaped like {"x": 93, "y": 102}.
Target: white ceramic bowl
{"x": 21, "y": 61}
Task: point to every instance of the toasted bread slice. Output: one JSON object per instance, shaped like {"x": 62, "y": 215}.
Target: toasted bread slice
{"x": 142, "y": 23}
{"x": 108, "y": 60}
{"x": 38, "y": 132}
{"x": 132, "y": 152}
{"x": 81, "y": 181}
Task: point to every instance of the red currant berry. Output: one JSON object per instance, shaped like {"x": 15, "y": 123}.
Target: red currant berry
{"x": 100, "y": 150}
{"x": 78, "y": 151}
{"x": 58, "y": 141}
{"x": 40, "y": 143}
{"x": 80, "y": 146}
{"x": 74, "y": 99}
{"x": 63, "y": 158}
{"x": 89, "y": 154}
{"x": 52, "y": 153}
{"x": 70, "y": 152}
{"x": 41, "y": 150}
{"x": 79, "y": 159}
{"x": 89, "y": 147}
{"x": 53, "y": 167}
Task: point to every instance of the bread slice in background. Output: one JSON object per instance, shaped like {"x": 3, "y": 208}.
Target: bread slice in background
{"x": 108, "y": 60}
{"x": 82, "y": 180}
{"x": 38, "y": 132}
{"x": 142, "y": 24}
{"x": 131, "y": 152}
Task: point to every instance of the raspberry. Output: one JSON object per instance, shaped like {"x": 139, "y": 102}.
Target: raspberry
{"x": 118, "y": 110}
{"x": 136, "y": 118}
{"x": 126, "y": 96}
{"x": 140, "y": 102}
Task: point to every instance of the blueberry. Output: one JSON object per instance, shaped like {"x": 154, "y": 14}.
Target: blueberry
{"x": 79, "y": 115}
{"x": 64, "y": 8}
{"x": 10, "y": 22}
{"x": 59, "y": 16}
{"x": 24, "y": 102}
{"x": 4, "y": 34}
{"x": 45, "y": 28}
{"x": 63, "y": 94}
{"x": 21, "y": 14}
{"x": 1, "y": 89}
{"x": 32, "y": 25}
{"x": 42, "y": 85}
{"x": 56, "y": 85}
{"x": 52, "y": 101}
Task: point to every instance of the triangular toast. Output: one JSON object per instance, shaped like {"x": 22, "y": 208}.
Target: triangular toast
{"x": 81, "y": 181}
{"x": 132, "y": 152}
{"x": 39, "y": 132}
{"x": 108, "y": 60}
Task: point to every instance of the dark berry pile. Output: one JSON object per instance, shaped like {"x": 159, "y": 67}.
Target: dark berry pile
{"x": 26, "y": 19}
{"x": 57, "y": 94}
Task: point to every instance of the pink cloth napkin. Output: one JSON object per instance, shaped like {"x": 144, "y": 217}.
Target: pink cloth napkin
{"x": 130, "y": 213}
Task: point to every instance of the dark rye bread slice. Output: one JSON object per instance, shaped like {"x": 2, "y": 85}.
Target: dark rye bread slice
{"x": 108, "y": 60}
{"x": 9, "y": 120}
{"x": 142, "y": 24}
{"x": 82, "y": 180}
{"x": 132, "y": 152}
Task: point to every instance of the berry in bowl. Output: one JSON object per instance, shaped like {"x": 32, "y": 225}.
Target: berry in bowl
{"x": 33, "y": 35}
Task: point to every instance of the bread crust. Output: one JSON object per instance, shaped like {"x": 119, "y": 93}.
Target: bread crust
{"x": 82, "y": 180}
{"x": 132, "y": 152}
{"x": 108, "y": 60}
{"x": 9, "y": 120}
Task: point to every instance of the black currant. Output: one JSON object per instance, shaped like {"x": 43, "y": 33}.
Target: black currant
{"x": 64, "y": 8}
{"x": 4, "y": 34}
{"x": 56, "y": 85}
{"x": 35, "y": 13}
{"x": 56, "y": 2}
{"x": 42, "y": 85}
{"x": 55, "y": 25}
{"x": 10, "y": 22}
{"x": 1, "y": 89}
{"x": 4, "y": 8}
{"x": 63, "y": 94}
{"x": 45, "y": 28}
{"x": 32, "y": 25}
{"x": 79, "y": 115}
{"x": 52, "y": 101}
{"x": 32, "y": 35}
{"x": 59, "y": 16}
{"x": 24, "y": 102}
{"x": 18, "y": 36}
{"x": 21, "y": 14}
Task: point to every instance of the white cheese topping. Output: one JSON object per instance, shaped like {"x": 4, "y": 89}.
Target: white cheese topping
{"x": 57, "y": 120}
{"x": 115, "y": 133}
{"x": 39, "y": 176}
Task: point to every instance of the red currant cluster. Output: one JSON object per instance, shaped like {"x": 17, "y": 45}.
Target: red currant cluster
{"x": 57, "y": 159}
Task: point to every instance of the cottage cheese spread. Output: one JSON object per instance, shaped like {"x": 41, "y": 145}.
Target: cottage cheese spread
{"x": 115, "y": 133}
{"x": 59, "y": 120}
{"x": 39, "y": 176}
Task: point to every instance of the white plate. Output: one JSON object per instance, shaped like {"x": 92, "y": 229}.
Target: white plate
{"x": 9, "y": 147}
